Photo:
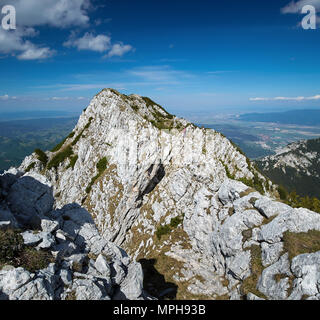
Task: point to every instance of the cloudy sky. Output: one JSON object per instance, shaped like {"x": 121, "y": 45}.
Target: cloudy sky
{"x": 191, "y": 56}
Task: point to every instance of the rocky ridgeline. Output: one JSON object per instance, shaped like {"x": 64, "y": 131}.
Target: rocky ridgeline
{"x": 48, "y": 254}
{"x": 296, "y": 167}
{"x": 183, "y": 201}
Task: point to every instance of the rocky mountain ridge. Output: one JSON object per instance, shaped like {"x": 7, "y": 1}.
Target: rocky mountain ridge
{"x": 296, "y": 167}
{"x": 184, "y": 202}
{"x": 48, "y": 254}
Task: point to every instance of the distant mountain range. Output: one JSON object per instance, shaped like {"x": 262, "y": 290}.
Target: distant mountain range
{"x": 296, "y": 167}
{"x": 300, "y": 117}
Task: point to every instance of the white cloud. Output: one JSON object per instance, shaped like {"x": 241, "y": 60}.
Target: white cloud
{"x": 259, "y": 99}
{"x": 34, "y": 13}
{"x": 4, "y": 97}
{"x": 119, "y": 50}
{"x": 35, "y": 53}
{"x": 160, "y": 74}
{"x": 56, "y": 13}
{"x": 66, "y": 98}
{"x": 316, "y": 97}
{"x": 99, "y": 43}
{"x": 296, "y": 6}
{"x": 13, "y": 42}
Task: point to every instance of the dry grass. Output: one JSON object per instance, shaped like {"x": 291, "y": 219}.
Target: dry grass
{"x": 250, "y": 283}
{"x": 279, "y": 277}
{"x": 300, "y": 243}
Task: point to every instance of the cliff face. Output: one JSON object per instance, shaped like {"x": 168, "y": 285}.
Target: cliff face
{"x": 181, "y": 200}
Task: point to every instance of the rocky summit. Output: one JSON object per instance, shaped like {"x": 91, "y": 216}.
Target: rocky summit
{"x": 138, "y": 204}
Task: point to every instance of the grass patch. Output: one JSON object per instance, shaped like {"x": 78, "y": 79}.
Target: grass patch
{"x": 301, "y": 243}
{"x": 59, "y": 145}
{"x": 135, "y": 108}
{"x": 60, "y": 157}
{"x": 255, "y": 183}
{"x": 30, "y": 167}
{"x": 42, "y": 157}
{"x": 101, "y": 166}
{"x": 279, "y": 277}
{"x": 174, "y": 223}
{"x": 15, "y": 253}
{"x": 73, "y": 161}
{"x": 34, "y": 260}
{"x": 71, "y": 296}
{"x": 250, "y": 283}
{"x": 163, "y": 230}
{"x": 78, "y": 137}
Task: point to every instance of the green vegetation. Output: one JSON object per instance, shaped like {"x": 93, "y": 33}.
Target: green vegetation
{"x": 60, "y": 157}
{"x": 166, "y": 229}
{"x": 250, "y": 283}
{"x": 204, "y": 150}
{"x": 305, "y": 180}
{"x": 101, "y": 166}
{"x": 73, "y": 161}
{"x": 42, "y": 157}
{"x": 162, "y": 120}
{"x": 135, "y": 108}
{"x": 14, "y": 252}
{"x": 255, "y": 183}
{"x": 163, "y": 230}
{"x": 30, "y": 166}
{"x": 175, "y": 222}
{"x": 300, "y": 243}
{"x": 296, "y": 201}
{"x": 78, "y": 137}
{"x": 59, "y": 145}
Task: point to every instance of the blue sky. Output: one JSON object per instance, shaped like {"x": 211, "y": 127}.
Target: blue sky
{"x": 193, "y": 57}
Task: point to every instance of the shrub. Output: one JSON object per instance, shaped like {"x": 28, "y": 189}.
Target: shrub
{"x": 282, "y": 193}
{"x": 175, "y": 222}
{"x": 11, "y": 243}
{"x": 60, "y": 157}
{"x": 162, "y": 230}
{"x": 42, "y": 157}
{"x": 135, "y": 108}
{"x": 31, "y": 166}
{"x": 101, "y": 166}
{"x": 73, "y": 161}
{"x": 93, "y": 180}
